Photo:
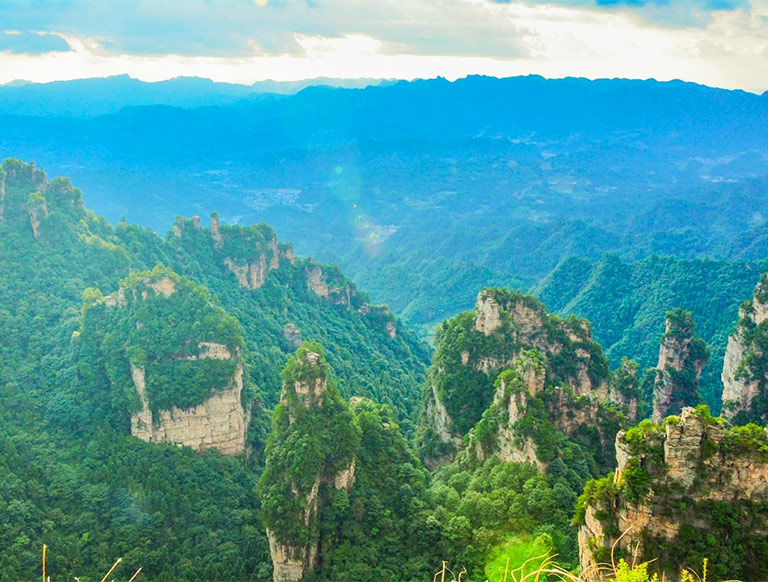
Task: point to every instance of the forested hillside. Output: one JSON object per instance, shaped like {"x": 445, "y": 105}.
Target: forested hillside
{"x": 141, "y": 372}
{"x": 72, "y": 475}
{"x": 626, "y": 303}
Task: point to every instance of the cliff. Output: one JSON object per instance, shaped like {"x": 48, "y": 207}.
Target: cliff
{"x": 745, "y": 368}
{"x": 252, "y": 253}
{"x": 299, "y": 482}
{"x": 685, "y": 488}
{"x": 491, "y": 362}
{"x": 220, "y": 422}
{"x": 174, "y": 360}
{"x": 682, "y": 356}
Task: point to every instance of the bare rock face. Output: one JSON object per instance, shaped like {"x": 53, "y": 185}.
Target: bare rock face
{"x": 744, "y": 382}
{"x": 491, "y": 340}
{"x": 215, "y": 234}
{"x": 682, "y": 356}
{"x": 523, "y": 322}
{"x": 310, "y": 390}
{"x": 487, "y": 314}
{"x": 332, "y": 288}
{"x": 218, "y": 420}
{"x": 249, "y": 275}
{"x": 691, "y": 459}
{"x": 290, "y": 563}
{"x": 624, "y": 388}
{"x": 306, "y": 393}
{"x": 442, "y": 426}
{"x": 38, "y": 211}
{"x": 218, "y": 423}
{"x": 292, "y": 334}
{"x": 515, "y": 388}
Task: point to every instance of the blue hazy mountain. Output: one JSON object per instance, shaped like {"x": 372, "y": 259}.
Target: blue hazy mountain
{"x": 84, "y": 98}
{"x": 428, "y": 190}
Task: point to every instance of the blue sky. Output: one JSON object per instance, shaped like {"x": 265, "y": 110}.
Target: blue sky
{"x": 716, "y": 42}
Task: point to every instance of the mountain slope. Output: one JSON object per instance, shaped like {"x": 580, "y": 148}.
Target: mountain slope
{"x": 626, "y": 303}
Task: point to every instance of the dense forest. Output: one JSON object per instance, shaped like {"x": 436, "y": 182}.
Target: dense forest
{"x": 73, "y": 477}
{"x": 354, "y": 450}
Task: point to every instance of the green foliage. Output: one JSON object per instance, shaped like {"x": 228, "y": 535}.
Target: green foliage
{"x": 311, "y": 441}
{"x": 164, "y": 335}
{"x": 639, "y": 573}
{"x": 626, "y": 303}
{"x": 598, "y": 493}
{"x": 645, "y": 440}
{"x": 724, "y": 533}
{"x": 73, "y": 476}
{"x": 468, "y": 364}
{"x": 523, "y": 555}
{"x": 379, "y": 527}
{"x": 747, "y": 439}
{"x": 635, "y": 481}
{"x": 485, "y": 506}
{"x": 300, "y": 368}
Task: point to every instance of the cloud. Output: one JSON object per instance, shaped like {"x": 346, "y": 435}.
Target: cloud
{"x": 242, "y": 28}
{"x": 31, "y": 43}
{"x": 717, "y": 42}
{"x": 673, "y": 13}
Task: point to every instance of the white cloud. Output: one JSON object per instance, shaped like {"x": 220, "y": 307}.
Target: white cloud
{"x": 452, "y": 38}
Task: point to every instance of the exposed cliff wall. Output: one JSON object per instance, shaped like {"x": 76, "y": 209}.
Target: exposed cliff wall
{"x": 220, "y": 422}
{"x": 524, "y": 323}
{"x": 672, "y": 483}
{"x": 174, "y": 358}
{"x": 745, "y": 367}
{"x": 467, "y": 378}
{"x": 527, "y": 414}
{"x": 253, "y": 253}
{"x": 298, "y": 482}
{"x": 682, "y": 356}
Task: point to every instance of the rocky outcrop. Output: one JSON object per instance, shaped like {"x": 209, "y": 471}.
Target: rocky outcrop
{"x": 309, "y": 389}
{"x": 691, "y": 461}
{"x": 249, "y": 275}
{"x": 524, "y": 323}
{"x": 189, "y": 392}
{"x": 220, "y": 422}
{"x": 682, "y": 356}
{"x": 251, "y": 253}
{"x": 292, "y": 334}
{"x": 516, "y": 387}
{"x": 745, "y": 367}
{"x": 215, "y": 234}
{"x": 308, "y": 404}
{"x": 38, "y": 211}
{"x": 624, "y": 388}
{"x": 330, "y": 286}
{"x": 291, "y": 562}
{"x": 492, "y": 339}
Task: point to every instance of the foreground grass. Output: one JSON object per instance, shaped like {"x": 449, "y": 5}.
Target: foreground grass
{"x": 521, "y": 555}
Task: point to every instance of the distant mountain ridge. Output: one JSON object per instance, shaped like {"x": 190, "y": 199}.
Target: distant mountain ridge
{"x": 92, "y": 97}
{"x": 425, "y": 191}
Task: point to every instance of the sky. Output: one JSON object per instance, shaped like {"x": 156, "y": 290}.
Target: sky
{"x": 722, "y": 43}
